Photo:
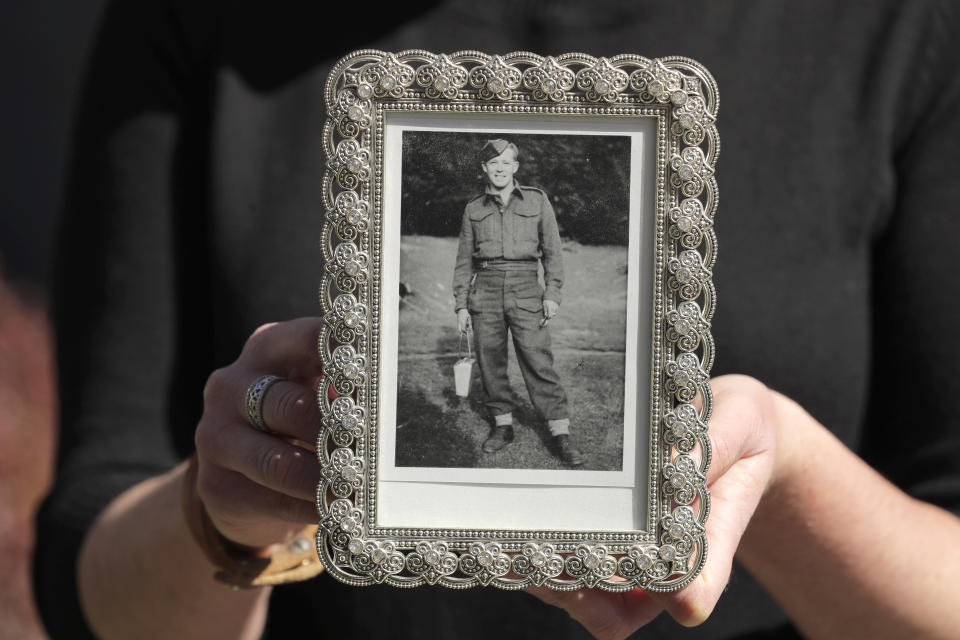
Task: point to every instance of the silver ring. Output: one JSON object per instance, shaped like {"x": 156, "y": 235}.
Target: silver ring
{"x": 255, "y": 394}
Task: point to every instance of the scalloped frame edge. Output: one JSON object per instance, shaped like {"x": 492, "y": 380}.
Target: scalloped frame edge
{"x": 662, "y": 560}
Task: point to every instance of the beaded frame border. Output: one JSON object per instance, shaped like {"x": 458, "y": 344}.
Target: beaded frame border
{"x": 682, "y": 95}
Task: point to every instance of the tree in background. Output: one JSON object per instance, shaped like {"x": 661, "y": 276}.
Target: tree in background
{"x": 586, "y": 176}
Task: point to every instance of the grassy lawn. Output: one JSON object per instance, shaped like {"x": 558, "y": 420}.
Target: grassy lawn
{"x": 437, "y": 428}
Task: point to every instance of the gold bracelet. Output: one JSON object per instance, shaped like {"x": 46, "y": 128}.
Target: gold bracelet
{"x": 239, "y": 567}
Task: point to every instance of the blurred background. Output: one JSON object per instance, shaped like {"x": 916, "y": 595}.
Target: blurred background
{"x": 43, "y": 48}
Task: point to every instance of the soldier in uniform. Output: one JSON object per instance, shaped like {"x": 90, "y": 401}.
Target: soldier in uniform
{"x": 508, "y": 231}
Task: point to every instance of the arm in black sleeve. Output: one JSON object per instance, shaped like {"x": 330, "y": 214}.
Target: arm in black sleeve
{"x": 115, "y": 291}
{"x": 912, "y": 433}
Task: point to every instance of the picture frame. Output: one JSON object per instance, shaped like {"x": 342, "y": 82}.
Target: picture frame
{"x": 422, "y": 482}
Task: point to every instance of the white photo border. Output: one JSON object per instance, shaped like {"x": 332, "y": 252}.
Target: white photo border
{"x": 464, "y": 497}
{"x": 682, "y": 96}
{"x": 641, "y": 131}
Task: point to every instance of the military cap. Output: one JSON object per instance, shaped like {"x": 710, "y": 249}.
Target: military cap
{"x": 495, "y": 147}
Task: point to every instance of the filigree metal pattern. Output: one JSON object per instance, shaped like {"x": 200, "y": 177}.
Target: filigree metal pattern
{"x": 495, "y": 79}
{"x": 441, "y": 78}
{"x": 549, "y": 81}
{"x": 387, "y": 77}
{"x": 683, "y": 428}
{"x": 348, "y": 318}
{"x": 689, "y": 223}
{"x": 348, "y": 267}
{"x": 538, "y": 562}
{"x": 685, "y": 377}
{"x": 682, "y": 479}
{"x": 342, "y": 522}
{"x": 690, "y": 171}
{"x": 681, "y": 531}
{"x": 432, "y": 561}
{"x": 485, "y": 561}
{"x": 352, "y": 114}
{"x": 656, "y": 83}
{"x": 344, "y": 474}
{"x": 683, "y": 95}
{"x": 350, "y": 164}
{"x": 349, "y": 215}
{"x": 644, "y": 565}
{"x": 343, "y": 422}
{"x": 692, "y": 119}
{"x": 688, "y": 275}
{"x": 345, "y": 370}
{"x": 686, "y": 326}
{"x": 602, "y": 81}
{"x": 591, "y": 564}
{"x": 377, "y": 559}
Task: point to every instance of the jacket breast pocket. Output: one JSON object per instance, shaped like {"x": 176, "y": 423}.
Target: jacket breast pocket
{"x": 486, "y": 230}
{"x": 527, "y": 235}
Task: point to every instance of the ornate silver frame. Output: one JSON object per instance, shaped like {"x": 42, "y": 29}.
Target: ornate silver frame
{"x": 683, "y": 97}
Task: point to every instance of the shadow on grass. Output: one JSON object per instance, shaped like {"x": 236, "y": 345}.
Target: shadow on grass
{"x": 431, "y": 436}
{"x": 437, "y": 428}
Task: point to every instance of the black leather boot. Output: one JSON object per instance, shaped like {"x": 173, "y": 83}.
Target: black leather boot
{"x": 500, "y": 436}
{"x": 568, "y": 453}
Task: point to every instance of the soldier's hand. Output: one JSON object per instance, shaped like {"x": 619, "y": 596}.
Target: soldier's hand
{"x": 463, "y": 320}
{"x": 550, "y": 309}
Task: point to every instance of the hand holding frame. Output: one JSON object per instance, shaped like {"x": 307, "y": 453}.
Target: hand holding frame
{"x": 744, "y": 438}
{"x": 258, "y": 487}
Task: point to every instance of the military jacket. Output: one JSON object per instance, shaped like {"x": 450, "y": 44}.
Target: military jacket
{"x": 523, "y": 229}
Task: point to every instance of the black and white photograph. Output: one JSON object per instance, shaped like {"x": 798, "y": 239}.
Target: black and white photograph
{"x": 512, "y": 314}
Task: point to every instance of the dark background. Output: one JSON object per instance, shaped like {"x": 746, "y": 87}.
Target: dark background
{"x": 585, "y": 176}
{"x": 43, "y": 47}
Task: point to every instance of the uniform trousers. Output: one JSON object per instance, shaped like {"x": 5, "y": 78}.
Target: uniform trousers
{"x": 502, "y": 301}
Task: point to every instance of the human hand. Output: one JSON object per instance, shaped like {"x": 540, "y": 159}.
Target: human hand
{"x": 743, "y": 432}
{"x": 550, "y": 308}
{"x": 258, "y": 488}
{"x": 463, "y": 320}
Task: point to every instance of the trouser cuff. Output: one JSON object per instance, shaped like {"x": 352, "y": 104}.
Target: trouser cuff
{"x": 503, "y": 420}
{"x": 559, "y": 427}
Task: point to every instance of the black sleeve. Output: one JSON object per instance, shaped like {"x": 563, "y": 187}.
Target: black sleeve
{"x": 115, "y": 289}
{"x": 912, "y": 433}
